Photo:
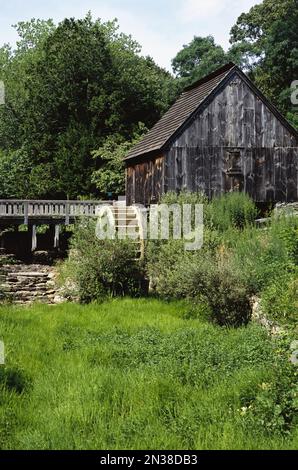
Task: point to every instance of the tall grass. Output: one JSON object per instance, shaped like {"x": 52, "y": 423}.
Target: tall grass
{"x": 132, "y": 374}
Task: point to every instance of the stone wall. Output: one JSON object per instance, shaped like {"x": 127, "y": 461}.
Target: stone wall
{"x": 26, "y": 283}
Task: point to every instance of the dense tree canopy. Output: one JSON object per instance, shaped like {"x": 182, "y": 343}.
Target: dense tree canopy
{"x": 267, "y": 37}
{"x": 68, "y": 89}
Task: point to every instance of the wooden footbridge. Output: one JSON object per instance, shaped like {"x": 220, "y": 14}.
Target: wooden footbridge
{"x": 38, "y": 212}
{"x": 15, "y": 212}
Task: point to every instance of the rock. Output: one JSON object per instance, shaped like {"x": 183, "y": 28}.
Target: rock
{"x": 42, "y": 257}
{"x": 58, "y": 299}
{"x": 259, "y": 317}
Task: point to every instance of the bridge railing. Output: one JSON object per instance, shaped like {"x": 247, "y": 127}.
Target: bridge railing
{"x": 48, "y": 209}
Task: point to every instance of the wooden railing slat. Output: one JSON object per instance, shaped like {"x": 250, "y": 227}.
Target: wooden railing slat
{"x": 49, "y": 208}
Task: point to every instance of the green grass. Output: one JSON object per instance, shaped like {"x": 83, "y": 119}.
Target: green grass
{"x": 130, "y": 374}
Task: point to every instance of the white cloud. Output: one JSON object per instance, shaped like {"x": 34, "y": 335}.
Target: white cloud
{"x": 200, "y": 9}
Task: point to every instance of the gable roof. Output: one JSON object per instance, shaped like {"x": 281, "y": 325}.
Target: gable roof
{"x": 186, "y": 105}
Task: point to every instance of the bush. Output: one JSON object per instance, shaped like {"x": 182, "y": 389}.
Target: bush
{"x": 203, "y": 276}
{"x": 97, "y": 269}
{"x": 209, "y": 276}
{"x": 231, "y": 210}
{"x": 237, "y": 260}
{"x": 184, "y": 197}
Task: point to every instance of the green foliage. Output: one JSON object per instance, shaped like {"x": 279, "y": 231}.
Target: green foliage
{"x": 133, "y": 374}
{"x": 274, "y": 407}
{"x": 237, "y": 260}
{"x": 97, "y": 269}
{"x": 184, "y": 197}
{"x": 201, "y": 276}
{"x": 110, "y": 177}
{"x": 282, "y": 59}
{"x": 231, "y": 210}
{"x": 210, "y": 275}
{"x": 267, "y": 39}
{"x": 264, "y": 257}
{"x": 70, "y": 88}
{"x": 251, "y": 29}
{"x": 279, "y": 300}
{"x": 285, "y": 228}
{"x": 20, "y": 178}
{"x": 15, "y": 69}
{"x": 198, "y": 58}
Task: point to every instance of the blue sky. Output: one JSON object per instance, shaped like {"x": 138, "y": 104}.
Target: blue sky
{"x": 160, "y": 26}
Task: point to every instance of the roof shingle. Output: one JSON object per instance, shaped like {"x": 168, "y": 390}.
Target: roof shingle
{"x": 181, "y": 110}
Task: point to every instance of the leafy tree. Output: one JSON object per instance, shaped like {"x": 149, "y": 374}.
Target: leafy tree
{"x": 198, "y": 58}
{"x": 20, "y": 178}
{"x": 67, "y": 102}
{"x": 251, "y": 30}
{"x": 280, "y": 65}
{"x": 110, "y": 177}
{"x": 69, "y": 88}
{"x": 15, "y": 67}
{"x": 268, "y": 40}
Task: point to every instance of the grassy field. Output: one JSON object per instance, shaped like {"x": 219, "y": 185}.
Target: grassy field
{"x": 132, "y": 374}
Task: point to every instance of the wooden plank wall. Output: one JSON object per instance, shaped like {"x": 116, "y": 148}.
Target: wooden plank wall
{"x": 144, "y": 181}
{"x": 236, "y": 120}
{"x": 268, "y": 174}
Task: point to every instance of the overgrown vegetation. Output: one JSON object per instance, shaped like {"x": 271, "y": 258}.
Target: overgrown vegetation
{"x": 237, "y": 261}
{"x": 97, "y": 269}
{"x": 137, "y": 374}
{"x": 144, "y": 373}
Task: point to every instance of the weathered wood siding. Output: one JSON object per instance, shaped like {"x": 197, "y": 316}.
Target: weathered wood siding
{"x": 268, "y": 174}
{"x": 235, "y": 120}
{"x": 234, "y": 124}
{"x": 144, "y": 181}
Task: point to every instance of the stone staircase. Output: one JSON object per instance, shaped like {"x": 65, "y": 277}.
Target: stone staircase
{"x": 24, "y": 284}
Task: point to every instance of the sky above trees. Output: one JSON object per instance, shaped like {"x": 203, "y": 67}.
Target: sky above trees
{"x": 160, "y": 26}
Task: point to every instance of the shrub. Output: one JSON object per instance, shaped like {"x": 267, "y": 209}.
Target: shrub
{"x": 227, "y": 295}
{"x": 231, "y": 210}
{"x": 285, "y": 230}
{"x": 100, "y": 268}
{"x": 184, "y": 197}
{"x": 202, "y": 276}
{"x": 237, "y": 260}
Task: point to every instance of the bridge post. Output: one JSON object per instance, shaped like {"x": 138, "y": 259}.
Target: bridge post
{"x": 56, "y": 236}
{"x": 33, "y": 238}
{"x": 67, "y": 213}
{"x": 26, "y": 211}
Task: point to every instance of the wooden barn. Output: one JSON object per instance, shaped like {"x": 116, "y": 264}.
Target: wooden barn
{"x": 221, "y": 135}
